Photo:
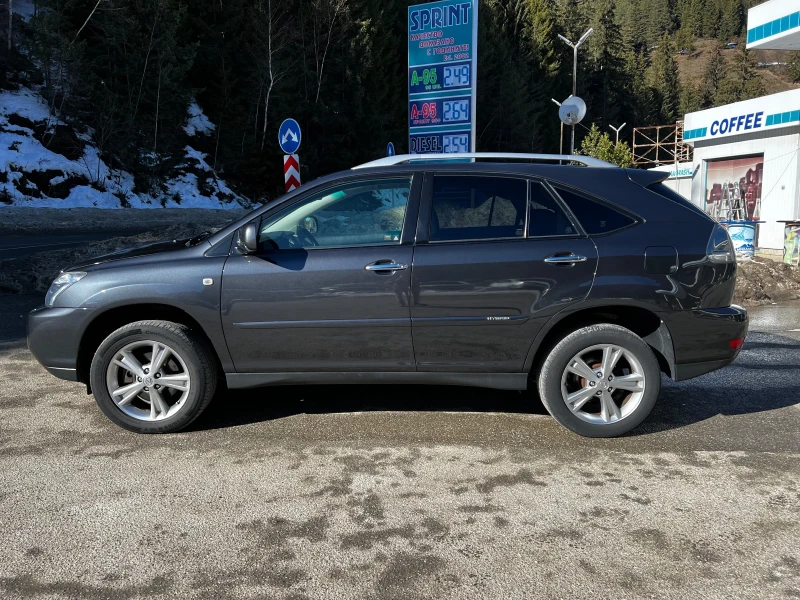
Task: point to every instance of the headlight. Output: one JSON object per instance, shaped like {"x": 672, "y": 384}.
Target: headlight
{"x": 61, "y": 283}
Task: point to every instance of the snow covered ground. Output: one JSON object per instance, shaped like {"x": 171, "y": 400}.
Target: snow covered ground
{"x": 44, "y": 162}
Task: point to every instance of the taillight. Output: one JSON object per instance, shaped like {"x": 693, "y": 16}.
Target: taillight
{"x": 720, "y": 246}
{"x": 736, "y": 344}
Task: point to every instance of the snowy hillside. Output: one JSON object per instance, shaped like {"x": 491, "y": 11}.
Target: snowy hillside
{"x": 45, "y": 162}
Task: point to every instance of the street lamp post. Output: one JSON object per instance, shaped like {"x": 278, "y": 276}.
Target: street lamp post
{"x": 617, "y": 130}
{"x": 575, "y": 47}
{"x": 561, "y": 141}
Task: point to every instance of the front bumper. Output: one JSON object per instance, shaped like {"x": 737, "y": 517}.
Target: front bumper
{"x": 701, "y": 339}
{"x": 54, "y": 336}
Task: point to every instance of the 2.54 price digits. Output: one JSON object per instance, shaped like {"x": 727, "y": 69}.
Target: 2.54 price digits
{"x": 455, "y": 143}
{"x": 456, "y": 75}
{"x": 455, "y": 110}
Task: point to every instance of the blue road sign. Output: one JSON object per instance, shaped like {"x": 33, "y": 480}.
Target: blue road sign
{"x": 442, "y": 76}
{"x": 390, "y": 149}
{"x": 289, "y": 136}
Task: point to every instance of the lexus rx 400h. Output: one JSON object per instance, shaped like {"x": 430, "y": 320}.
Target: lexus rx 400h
{"x": 582, "y": 283}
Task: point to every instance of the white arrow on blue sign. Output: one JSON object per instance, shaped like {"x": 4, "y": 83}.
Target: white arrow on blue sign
{"x": 390, "y": 149}
{"x": 289, "y": 136}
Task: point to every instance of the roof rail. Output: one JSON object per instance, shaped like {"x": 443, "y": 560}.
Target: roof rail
{"x": 388, "y": 161}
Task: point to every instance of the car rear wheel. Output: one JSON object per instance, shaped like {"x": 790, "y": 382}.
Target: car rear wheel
{"x": 600, "y": 381}
{"x": 153, "y": 376}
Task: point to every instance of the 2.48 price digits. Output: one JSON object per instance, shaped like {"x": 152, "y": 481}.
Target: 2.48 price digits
{"x": 455, "y": 143}
{"x": 455, "y": 110}
{"x": 456, "y": 76}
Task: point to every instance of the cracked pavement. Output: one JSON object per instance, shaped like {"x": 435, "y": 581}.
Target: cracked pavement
{"x": 405, "y": 492}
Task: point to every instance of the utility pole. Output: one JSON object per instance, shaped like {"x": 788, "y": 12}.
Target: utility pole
{"x": 575, "y": 47}
{"x": 617, "y": 130}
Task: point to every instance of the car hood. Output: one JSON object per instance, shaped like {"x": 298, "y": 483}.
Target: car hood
{"x": 128, "y": 253}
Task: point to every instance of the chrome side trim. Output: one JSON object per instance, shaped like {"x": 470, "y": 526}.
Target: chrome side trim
{"x": 402, "y": 322}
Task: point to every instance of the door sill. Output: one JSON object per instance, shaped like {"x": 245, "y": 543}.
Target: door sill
{"x": 498, "y": 381}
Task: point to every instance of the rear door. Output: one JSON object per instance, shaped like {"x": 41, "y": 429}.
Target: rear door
{"x": 496, "y": 256}
{"x": 328, "y": 289}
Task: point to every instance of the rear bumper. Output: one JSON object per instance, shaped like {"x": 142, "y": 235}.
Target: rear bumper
{"x": 701, "y": 339}
{"x": 54, "y": 336}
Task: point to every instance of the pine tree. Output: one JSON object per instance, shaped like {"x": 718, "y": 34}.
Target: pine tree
{"x": 664, "y": 81}
{"x": 690, "y": 98}
{"x": 634, "y": 24}
{"x": 641, "y": 98}
{"x": 732, "y": 19}
{"x": 540, "y": 33}
{"x": 712, "y": 78}
{"x": 660, "y": 19}
{"x": 690, "y": 16}
{"x": 742, "y": 81}
{"x": 793, "y": 69}
{"x": 607, "y": 80}
{"x": 710, "y": 17}
{"x": 599, "y": 145}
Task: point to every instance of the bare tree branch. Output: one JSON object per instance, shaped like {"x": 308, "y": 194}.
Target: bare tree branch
{"x": 85, "y": 22}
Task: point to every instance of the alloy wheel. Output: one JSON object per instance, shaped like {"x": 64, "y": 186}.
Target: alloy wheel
{"x": 148, "y": 380}
{"x": 603, "y": 384}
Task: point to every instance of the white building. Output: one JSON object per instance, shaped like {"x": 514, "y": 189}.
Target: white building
{"x": 774, "y": 25}
{"x": 680, "y": 177}
{"x": 747, "y": 162}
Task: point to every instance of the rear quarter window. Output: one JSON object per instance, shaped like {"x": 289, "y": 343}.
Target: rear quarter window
{"x": 670, "y": 194}
{"x": 595, "y": 217}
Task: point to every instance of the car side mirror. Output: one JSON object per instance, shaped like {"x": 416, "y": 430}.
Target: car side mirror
{"x": 248, "y": 239}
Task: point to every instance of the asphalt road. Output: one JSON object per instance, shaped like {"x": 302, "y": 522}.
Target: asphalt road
{"x": 405, "y": 492}
{"x": 14, "y": 246}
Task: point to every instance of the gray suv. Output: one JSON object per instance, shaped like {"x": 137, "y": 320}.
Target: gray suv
{"x": 583, "y": 283}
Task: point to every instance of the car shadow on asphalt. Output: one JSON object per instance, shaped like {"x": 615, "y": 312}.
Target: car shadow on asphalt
{"x": 747, "y": 387}
{"x": 241, "y": 407}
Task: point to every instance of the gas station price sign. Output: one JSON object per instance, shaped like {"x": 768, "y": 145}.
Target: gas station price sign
{"x": 442, "y": 76}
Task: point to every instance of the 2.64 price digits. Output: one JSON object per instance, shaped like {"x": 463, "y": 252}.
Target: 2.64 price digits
{"x": 427, "y": 77}
{"x": 455, "y": 143}
{"x": 456, "y": 75}
{"x": 455, "y": 110}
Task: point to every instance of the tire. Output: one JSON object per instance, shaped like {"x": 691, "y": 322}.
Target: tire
{"x": 562, "y": 376}
{"x": 173, "y": 396}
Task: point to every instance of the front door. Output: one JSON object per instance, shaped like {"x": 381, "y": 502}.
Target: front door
{"x": 493, "y": 262}
{"x": 328, "y": 289}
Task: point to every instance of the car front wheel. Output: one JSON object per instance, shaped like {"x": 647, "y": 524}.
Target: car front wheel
{"x": 600, "y": 381}
{"x": 153, "y": 376}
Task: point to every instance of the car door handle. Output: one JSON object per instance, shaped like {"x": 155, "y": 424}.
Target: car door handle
{"x": 564, "y": 259}
{"x": 385, "y": 266}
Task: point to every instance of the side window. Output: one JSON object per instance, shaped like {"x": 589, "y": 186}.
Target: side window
{"x": 546, "y": 218}
{"x": 477, "y": 208}
{"x": 364, "y": 213}
{"x": 595, "y": 218}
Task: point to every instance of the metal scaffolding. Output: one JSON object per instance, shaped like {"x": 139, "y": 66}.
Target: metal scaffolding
{"x": 660, "y": 145}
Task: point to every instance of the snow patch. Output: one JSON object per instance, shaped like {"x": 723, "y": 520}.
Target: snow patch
{"x": 198, "y": 122}
{"x": 36, "y": 176}
{"x": 24, "y": 103}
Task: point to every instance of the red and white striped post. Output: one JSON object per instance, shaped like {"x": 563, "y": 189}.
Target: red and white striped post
{"x": 291, "y": 171}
